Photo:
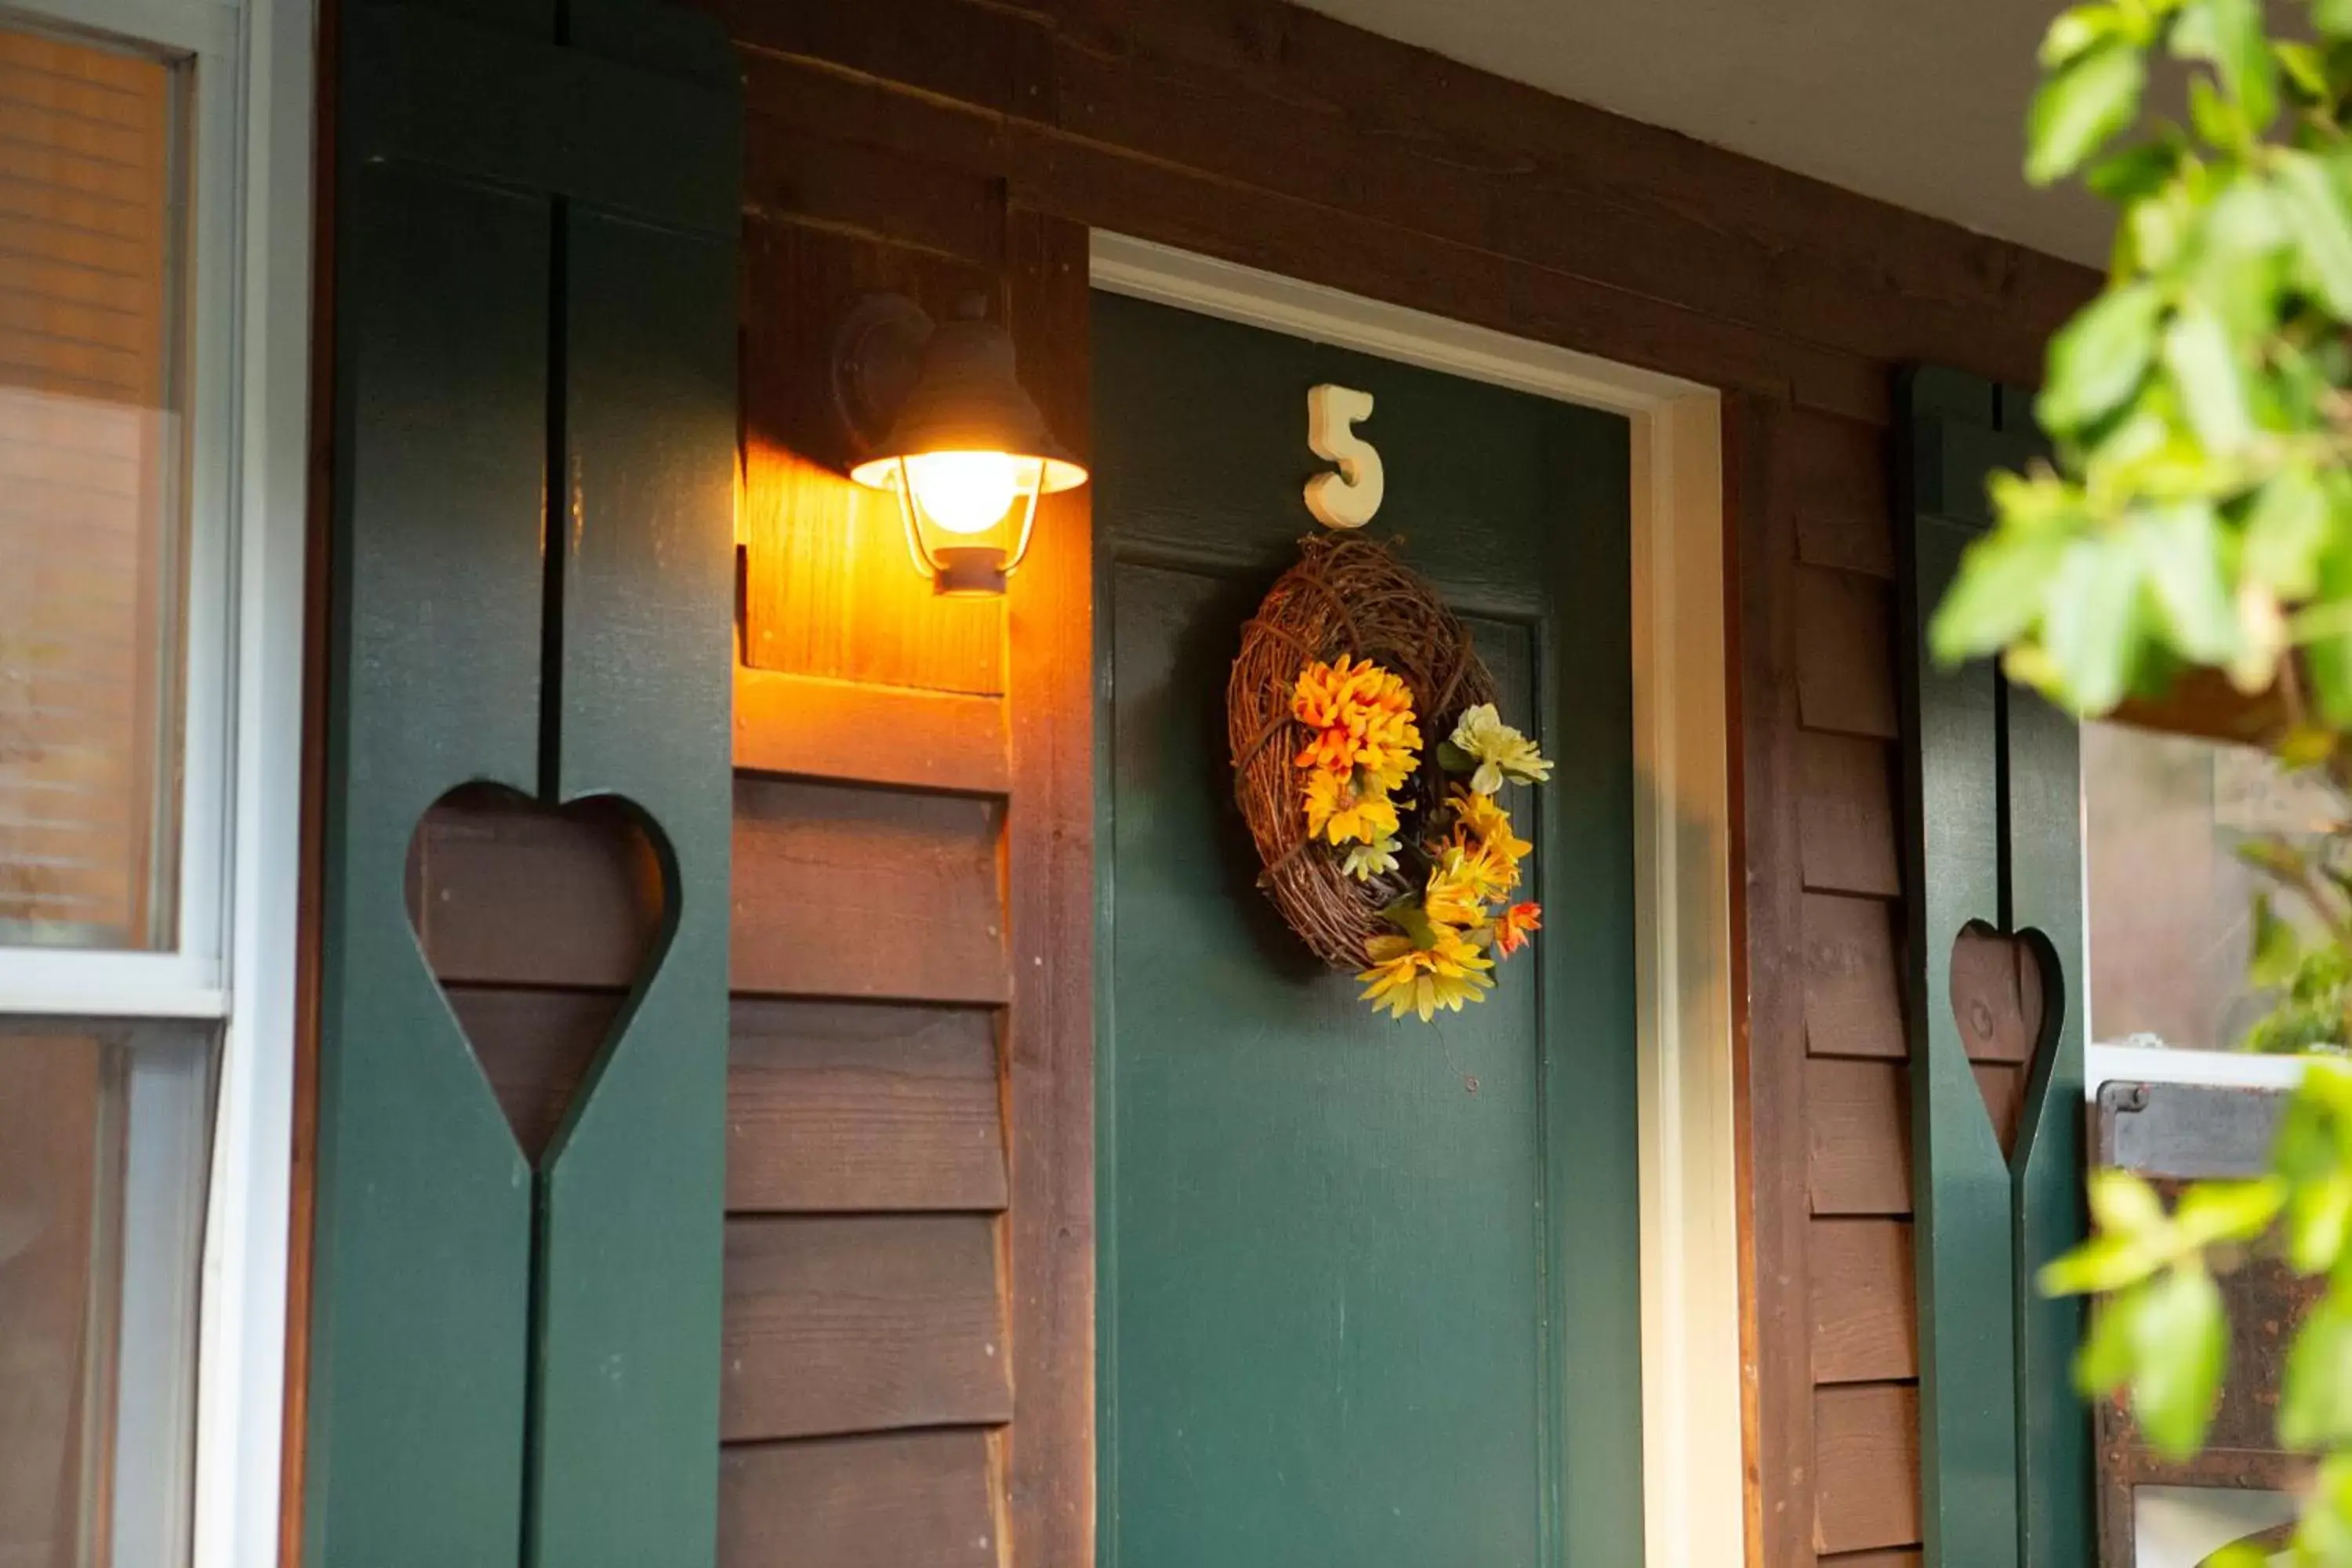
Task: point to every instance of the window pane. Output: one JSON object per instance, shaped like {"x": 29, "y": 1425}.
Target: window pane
{"x": 103, "y": 1156}
{"x": 2168, "y": 900}
{"x": 90, "y": 505}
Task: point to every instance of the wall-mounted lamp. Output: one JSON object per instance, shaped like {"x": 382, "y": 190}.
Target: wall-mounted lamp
{"x": 964, "y": 448}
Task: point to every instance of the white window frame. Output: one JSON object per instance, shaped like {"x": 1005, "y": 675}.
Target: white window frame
{"x": 247, "y": 390}
{"x": 2118, "y": 1062}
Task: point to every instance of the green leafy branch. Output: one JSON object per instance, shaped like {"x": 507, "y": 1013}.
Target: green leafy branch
{"x": 2197, "y": 512}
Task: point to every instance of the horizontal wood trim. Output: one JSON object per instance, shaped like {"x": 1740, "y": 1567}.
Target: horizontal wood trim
{"x": 1862, "y": 1304}
{"x": 1858, "y": 1134}
{"x": 868, "y": 1324}
{"x": 1837, "y": 477}
{"x": 1845, "y": 653}
{"x": 1087, "y": 181}
{"x": 842, "y": 891}
{"x": 1846, "y": 814}
{"x": 848, "y": 1106}
{"x": 896, "y": 1501}
{"x": 1275, "y": 98}
{"x": 1866, "y": 1460}
{"x": 1903, "y": 1558}
{"x": 813, "y": 727}
{"x": 1853, "y": 997}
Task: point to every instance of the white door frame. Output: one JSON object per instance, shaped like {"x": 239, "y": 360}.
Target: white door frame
{"x": 1693, "y": 1478}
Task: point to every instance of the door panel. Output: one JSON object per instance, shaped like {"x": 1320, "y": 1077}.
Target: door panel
{"x": 1370, "y": 1290}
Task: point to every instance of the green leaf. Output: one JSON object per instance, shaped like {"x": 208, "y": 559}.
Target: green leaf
{"x": 2075, "y": 31}
{"x": 2313, "y": 209}
{"x": 2180, "y": 1338}
{"x": 2091, "y": 629}
{"x": 2277, "y": 950}
{"x": 2327, "y": 659}
{"x": 2081, "y": 107}
{"x": 2285, "y": 529}
{"x": 2105, "y": 1362}
{"x": 2134, "y": 173}
{"x": 2241, "y": 52}
{"x": 2203, "y": 364}
{"x": 2099, "y": 358}
{"x": 2228, "y": 1210}
{"x": 2316, "y": 1395}
{"x": 2301, "y": 64}
{"x": 2124, "y": 1205}
{"x": 2317, "y": 1221}
{"x": 2220, "y": 121}
{"x": 1997, "y": 594}
{"x": 2102, "y": 1264}
{"x": 1454, "y": 760}
{"x": 2181, "y": 547}
{"x": 2333, "y": 17}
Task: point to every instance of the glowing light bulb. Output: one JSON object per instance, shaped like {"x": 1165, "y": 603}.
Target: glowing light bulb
{"x": 964, "y": 493}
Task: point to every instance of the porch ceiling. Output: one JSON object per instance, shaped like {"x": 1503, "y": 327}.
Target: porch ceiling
{"x": 1917, "y": 102}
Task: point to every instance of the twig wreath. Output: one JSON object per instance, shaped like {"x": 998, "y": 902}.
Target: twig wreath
{"x": 1390, "y": 860}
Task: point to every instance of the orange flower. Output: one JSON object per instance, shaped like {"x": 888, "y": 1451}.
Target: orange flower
{"x": 1361, "y": 716}
{"x": 1515, "y": 925}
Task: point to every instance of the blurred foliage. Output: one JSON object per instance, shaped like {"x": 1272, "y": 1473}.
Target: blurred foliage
{"x": 2198, "y": 513}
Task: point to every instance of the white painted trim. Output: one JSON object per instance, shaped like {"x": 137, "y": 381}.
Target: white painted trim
{"x": 1694, "y": 1476}
{"x": 241, "y": 1353}
{"x": 2162, "y": 1064}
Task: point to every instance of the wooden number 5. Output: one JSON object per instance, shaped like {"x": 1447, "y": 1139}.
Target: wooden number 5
{"x": 1348, "y": 497}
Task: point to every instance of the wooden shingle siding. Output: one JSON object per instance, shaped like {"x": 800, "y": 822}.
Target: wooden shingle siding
{"x": 904, "y": 1497}
{"x": 858, "y": 1107}
{"x": 862, "y": 1323}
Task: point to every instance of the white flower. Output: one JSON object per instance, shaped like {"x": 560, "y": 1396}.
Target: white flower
{"x": 1366, "y": 861}
{"x": 1500, "y": 752}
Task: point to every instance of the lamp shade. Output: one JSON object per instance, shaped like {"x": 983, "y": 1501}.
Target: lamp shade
{"x": 967, "y": 398}
{"x": 968, "y": 454}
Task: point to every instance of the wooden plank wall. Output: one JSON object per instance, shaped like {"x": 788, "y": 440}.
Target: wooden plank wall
{"x": 909, "y": 1331}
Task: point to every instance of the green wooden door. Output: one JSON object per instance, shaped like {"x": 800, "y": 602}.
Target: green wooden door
{"x": 1369, "y": 1290}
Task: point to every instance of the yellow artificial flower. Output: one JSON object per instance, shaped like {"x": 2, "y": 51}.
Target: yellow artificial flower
{"x": 1337, "y": 810}
{"x": 1406, "y": 978}
{"x": 1480, "y": 868}
{"x": 1452, "y": 898}
{"x": 1366, "y": 861}
{"x": 1486, "y": 820}
{"x": 1500, "y": 752}
{"x": 1515, "y": 925}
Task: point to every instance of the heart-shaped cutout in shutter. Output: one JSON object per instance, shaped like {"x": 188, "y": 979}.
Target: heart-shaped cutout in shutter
{"x": 1998, "y": 992}
{"x": 537, "y": 921}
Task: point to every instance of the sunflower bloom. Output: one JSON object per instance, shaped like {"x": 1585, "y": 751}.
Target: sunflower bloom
{"x": 1404, "y": 978}
{"x": 1486, "y": 821}
{"x": 1515, "y": 925}
{"x": 1339, "y": 811}
{"x": 1501, "y": 752}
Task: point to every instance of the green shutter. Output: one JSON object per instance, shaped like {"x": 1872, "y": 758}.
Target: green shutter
{"x": 1993, "y": 791}
{"x": 535, "y": 220}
